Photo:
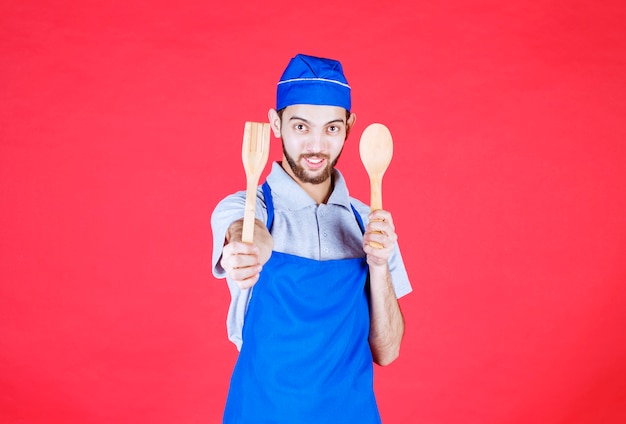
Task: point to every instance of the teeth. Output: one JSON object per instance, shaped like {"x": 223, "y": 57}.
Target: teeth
{"x": 314, "y": 160}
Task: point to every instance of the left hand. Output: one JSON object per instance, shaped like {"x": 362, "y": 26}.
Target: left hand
{"x": 380, "y": 229}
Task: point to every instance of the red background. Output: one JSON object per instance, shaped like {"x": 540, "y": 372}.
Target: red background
{"x": 120, "y": 129}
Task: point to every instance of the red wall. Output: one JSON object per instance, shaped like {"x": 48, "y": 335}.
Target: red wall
{"x": 120, "y": 129}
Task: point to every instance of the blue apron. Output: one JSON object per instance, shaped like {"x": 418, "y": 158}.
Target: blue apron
{"x": 305, "y": 356}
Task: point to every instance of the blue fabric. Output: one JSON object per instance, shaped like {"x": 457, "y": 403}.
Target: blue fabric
{"x": 269, "y": 204}
{"x": 313, "y": 81}
{"x": 305, "y": 356}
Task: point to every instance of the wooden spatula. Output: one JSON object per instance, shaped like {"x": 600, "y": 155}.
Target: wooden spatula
{"x": 376, "y": 149}
{"x": 254, "y": 152}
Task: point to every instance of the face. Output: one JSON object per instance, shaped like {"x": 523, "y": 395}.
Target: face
{"x": 313, "y": 138}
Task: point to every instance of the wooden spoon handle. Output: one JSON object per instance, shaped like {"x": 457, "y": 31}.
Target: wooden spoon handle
{"x": 376, "y": 194}
{"x": 376, "y": 245}
{"x": 376, "y": 202}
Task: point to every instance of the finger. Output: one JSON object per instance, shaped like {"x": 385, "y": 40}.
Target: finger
{"x": 249, "y": 282}
{"x": 243, "y": 261}
{"x": 239, "y": 255}
{"x": 240, "y": 248}
{"x": 386, "y": 227}
{"x": 374, "y": 239}
{"x": 376, "y": 256}
{"x": 381, "y": 241}
{"x": 381, "y": 215}
{"x": 381, "y": 236}
{"x": 245, "y": 277}
{"x": 243, "y": 273}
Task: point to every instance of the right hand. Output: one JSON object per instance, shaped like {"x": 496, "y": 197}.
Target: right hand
{"x": 242, "y": 264}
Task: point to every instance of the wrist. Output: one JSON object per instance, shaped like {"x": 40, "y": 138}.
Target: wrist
{"x": 379, "y": 270}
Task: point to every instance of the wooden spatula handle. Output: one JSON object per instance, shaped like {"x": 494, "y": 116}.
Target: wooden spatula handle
{"x": 247, "y": 235}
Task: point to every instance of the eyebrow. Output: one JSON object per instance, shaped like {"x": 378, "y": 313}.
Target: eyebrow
{"x": 297, "y": 118}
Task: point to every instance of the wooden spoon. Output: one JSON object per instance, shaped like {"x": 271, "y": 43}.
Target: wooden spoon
{"x": 254, "y": 153}
{"x": 376, "y": 148}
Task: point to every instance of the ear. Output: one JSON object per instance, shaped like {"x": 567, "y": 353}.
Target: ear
{"x": 274, "y": 119}
{"x": 350, "y": 123}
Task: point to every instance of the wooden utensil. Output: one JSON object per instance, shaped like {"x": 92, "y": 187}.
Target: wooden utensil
{"x": 376, "y": 149}
{"x": 254, "y": 153}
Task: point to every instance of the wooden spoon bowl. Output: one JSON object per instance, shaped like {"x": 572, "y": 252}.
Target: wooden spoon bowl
{"x": 376, "y": 149}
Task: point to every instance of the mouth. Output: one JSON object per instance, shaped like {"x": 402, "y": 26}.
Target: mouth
{"x": 315, "y": 162}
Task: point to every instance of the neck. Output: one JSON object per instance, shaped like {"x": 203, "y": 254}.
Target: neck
{"x": 318, "y": 192}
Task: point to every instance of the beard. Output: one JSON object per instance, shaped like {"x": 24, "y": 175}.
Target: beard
{"x": 301, "y": 173}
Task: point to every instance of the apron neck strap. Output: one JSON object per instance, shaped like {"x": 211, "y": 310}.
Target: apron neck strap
{"x": 267, "y": 194}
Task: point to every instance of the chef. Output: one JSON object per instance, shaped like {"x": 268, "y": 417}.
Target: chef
{"x": 313, "y": 304}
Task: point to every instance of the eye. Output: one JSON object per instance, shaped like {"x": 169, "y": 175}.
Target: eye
{"x": 300, "y": 127}
{"x": 333, "y": 129}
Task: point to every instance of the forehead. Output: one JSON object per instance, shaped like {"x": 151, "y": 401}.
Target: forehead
{"x": 315, "y": 114}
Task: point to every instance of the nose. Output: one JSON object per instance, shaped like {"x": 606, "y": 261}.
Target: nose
{"x": 315, "y": 142}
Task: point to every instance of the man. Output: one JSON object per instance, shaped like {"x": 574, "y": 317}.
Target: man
{"x": 313, "y": 304}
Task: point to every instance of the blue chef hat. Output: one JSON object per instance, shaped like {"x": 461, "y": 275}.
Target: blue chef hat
{"x": 313, "y": 81}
